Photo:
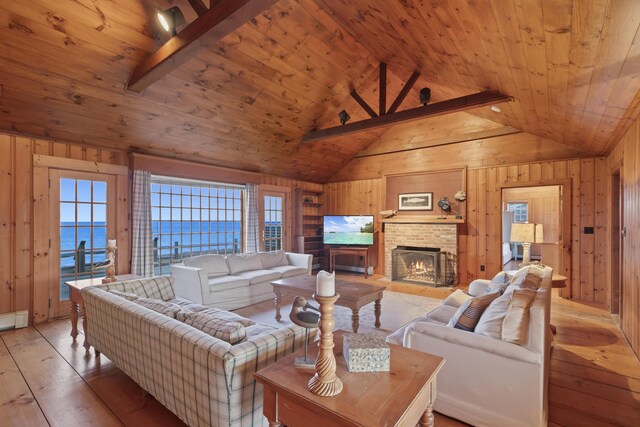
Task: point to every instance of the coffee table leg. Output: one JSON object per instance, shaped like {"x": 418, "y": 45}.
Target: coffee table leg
{"x": 278, "y": 301}
{"x": 427, "y": 418}
{"x": 74, "y": 319}
{"x": 377, "y": 309}
{"x": 355, "y": 320}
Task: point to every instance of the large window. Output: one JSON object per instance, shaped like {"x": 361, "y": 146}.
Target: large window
{"x": 520, "y": 211}
{"x": 194, "y": 218}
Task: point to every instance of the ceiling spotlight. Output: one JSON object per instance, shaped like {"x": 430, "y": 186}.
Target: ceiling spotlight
{"x": 496, "y": 109}
{"x": 425, "y": 95}
{"x": 344, "y": 117}
{"x": 171, "y": 19}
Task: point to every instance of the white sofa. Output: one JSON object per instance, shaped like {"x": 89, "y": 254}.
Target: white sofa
{"x": 486, "y": 381}
{"x": 236, "y": 280}
{"x": 204, "y": 380}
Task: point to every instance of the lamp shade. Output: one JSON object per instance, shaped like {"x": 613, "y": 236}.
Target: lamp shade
{"x": 527, "y": 233}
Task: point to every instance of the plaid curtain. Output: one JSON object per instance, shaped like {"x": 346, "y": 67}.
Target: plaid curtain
{"x": 252, "y": 230}
{"x": 142, "y": 247}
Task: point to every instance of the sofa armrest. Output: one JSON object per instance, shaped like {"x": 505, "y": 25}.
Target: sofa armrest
{"x": 190, "y": 283}
{"x": 300, "y": 260}
{"x": 424, "y": 335}
{"x": 478, "y": 287}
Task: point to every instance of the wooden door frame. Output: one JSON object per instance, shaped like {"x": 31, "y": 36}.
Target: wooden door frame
{"x": 39, "y": 304}
{"x": 57, "y": 307}
{"x": 286, "y": 210}
{"x": 617, "y": 242}
{"x": 565, "y": 192}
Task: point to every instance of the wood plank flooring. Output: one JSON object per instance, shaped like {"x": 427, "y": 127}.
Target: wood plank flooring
{"x": 47, "y": 379}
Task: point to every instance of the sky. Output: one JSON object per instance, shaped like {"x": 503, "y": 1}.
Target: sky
{"x": 345, "y": 224}
{"x": 81, "y": 195}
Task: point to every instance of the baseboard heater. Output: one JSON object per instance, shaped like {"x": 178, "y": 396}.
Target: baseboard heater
{"x": 18, "y": 319}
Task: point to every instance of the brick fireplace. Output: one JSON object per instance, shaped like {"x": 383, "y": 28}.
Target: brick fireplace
{"x": 442, "y": 236}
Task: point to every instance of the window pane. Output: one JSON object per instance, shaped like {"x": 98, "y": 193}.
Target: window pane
{"x": 99, "y": 191}
{"x": 84, "y": 191}
{"x": 67, "y": 213}
{"x": 84, "y": 213}
{"x": 100, "y": 214}
{"x": 67, "y": 190}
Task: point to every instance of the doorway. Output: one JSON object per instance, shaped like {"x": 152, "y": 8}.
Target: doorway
{"x": 81, "y": 223}
{"x": 617, "y": 235}
{"x": 536, "y": 204}
{"x": 273, "y": 212}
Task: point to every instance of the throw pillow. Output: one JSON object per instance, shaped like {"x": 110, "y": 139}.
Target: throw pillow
{"x": 273, "y": 259}
{"x": 213, "y": 312}
{"x": 467, "y": 316}
{"x": 457, "y": 298}
{"x": 499, "y": 283}
{"x": 516, "y": 321}
{"x": 519, "y": 276}
{"x": 490, "y": 323}
{"x": 231, "y": 332}
{"x": 533, "y": 279}
{"x": 159, "y": 306}
{"x": 130, "y": 296}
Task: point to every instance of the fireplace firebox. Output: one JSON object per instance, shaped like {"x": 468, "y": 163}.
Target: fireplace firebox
{"x": 422, "y": 265}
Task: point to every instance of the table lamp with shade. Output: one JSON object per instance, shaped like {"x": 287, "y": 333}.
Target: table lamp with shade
{"x": 526, "y": 233}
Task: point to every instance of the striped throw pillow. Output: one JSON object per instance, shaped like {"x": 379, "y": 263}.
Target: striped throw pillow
{"x": 157, "y": 305}
{"x": 231, "y": 332}
{"x": 467, "y": 316}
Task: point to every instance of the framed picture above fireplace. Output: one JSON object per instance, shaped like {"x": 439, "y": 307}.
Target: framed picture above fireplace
{"x": 415, "y": 202}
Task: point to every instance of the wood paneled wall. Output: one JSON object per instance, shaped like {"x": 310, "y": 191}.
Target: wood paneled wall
{"x": 17, "y": 273}
{"x": 626, "y": 158}
{"x": 479, "y": 238}
{"x": 18, "y": 277}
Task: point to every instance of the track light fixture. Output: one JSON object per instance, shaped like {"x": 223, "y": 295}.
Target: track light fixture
{"x": 171, "y": 19}
{"x": 425, "y": 95}
{"x": 344, "y": 117}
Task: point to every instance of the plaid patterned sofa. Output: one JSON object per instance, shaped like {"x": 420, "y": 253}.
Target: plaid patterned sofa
{"x": 203, "y": 380}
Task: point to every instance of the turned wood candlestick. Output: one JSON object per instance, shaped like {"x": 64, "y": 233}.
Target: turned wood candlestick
{"x": 325, "y": 382}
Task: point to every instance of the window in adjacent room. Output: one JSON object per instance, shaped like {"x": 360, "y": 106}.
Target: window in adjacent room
{"x": 192, "y": 218}
{"x": 520, "y": 211}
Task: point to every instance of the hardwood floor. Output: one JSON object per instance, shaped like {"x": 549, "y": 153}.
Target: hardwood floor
{"x": 47, "y": 379}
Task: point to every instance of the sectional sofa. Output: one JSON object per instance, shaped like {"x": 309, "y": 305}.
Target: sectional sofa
{"x": 236, "y": 280}
{"x": 204, "y": 380}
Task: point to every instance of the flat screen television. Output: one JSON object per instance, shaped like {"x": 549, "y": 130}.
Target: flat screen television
{"x": 348, "y": 230}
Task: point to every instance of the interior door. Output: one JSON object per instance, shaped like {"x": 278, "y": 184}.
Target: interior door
{"x": 274, "y": 219}
{"x": 82, "y": 219}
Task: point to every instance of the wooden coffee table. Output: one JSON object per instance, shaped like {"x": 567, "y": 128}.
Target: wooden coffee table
{"x": 353, "y": 295}
{"x": 403, "y": 396}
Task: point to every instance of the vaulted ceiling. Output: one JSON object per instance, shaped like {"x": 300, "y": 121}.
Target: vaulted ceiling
{"x": 572, "y": 67}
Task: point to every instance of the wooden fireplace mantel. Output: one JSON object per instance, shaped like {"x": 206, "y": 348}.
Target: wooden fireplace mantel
{"x": 422, "y": 219}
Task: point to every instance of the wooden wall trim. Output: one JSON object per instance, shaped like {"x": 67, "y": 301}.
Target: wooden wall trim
{"x": 185, "y": 169}
{"x": 78, "y": 165}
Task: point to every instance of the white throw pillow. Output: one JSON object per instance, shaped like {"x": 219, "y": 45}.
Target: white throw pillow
{"x": 457, "y": 298}
{"x": 499, "y": 283}
{"x": 213, "y": 265}
{"x": 490, "y": 323}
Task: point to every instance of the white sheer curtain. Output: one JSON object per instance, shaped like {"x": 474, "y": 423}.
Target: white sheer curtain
{"x": 142, "y": 235}
{"x": 252, "y": 230}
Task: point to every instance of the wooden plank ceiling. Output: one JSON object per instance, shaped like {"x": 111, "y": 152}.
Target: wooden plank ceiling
{"x": 573, "y": 68}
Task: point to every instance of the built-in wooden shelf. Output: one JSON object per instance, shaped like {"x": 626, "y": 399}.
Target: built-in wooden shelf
{"x": 422, "y": 219}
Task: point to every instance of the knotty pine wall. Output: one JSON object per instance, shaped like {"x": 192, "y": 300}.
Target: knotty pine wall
{"x": 626, "y": 155}
{"x": 16, "y": 212}
{"x": 479, "y": 238}
{"x": 17, "y": 275}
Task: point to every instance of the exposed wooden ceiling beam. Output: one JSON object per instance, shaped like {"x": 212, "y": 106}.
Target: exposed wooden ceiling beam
{"x": 438, "y": 142}
{"x": 445, "y": 107}
{"x": 363, "y": 103}
{"x": 223, "y": 18}
{"x": 198, "y": 6}
{"x": 404, "y": 92}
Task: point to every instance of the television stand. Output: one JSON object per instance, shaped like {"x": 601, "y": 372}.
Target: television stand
{"x": 362, "y": 251}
